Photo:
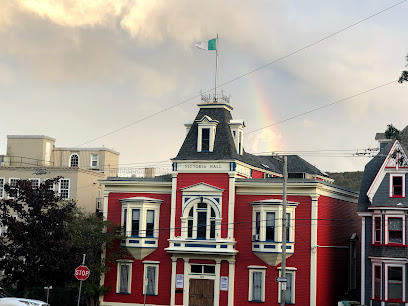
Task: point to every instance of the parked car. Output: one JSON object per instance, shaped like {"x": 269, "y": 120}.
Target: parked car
{"x": 6, "y": 300}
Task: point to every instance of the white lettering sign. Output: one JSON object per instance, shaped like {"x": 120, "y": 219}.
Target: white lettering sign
{"x": 179, "y": 281}
{"x": 224, "y": 283}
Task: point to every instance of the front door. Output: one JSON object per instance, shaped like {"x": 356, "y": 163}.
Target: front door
{"x": 201, "y": 292}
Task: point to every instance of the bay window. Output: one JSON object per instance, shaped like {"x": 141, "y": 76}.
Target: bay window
{"x": 140, "y": 225}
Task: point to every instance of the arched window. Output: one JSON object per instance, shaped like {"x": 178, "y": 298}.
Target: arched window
{"x": 201, "y": 222}
{"x": 74, "y": 160}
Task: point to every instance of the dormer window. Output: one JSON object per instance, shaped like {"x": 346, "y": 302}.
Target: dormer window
{"x": 206, "y": 134}
{"x": 205, "y": 140}
{"x": 397, "y": 186}
{"x": 236, "y": 127}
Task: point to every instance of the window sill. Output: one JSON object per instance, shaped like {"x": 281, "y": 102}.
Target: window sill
{"x": 397, "y": 197}
{"x": 128, "y": 293}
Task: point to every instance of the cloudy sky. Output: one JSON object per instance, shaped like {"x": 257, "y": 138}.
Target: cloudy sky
{"x": 76, "y": 70}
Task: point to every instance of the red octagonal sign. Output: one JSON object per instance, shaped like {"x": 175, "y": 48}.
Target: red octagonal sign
{"x": 82, "y": 272}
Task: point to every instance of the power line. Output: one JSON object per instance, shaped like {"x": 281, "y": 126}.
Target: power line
{"x": 324, "y": 106}
{"x": 248, "y": 73}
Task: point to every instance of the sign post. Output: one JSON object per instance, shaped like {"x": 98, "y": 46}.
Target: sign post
{"x": 81, "y": 273}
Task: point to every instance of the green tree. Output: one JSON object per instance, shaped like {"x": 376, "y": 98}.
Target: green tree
{"x": 45, "y": 239}
{"x": 404, "y": 74}
{"x": 392, "y": 132}
{"x": 90, "y": 234}
{"x": 34, "y": 235}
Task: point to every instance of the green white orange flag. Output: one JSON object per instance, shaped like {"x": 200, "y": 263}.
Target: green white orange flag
{"x": 207, "y": 45}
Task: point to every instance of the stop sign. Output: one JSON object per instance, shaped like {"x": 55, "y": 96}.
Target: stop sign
{"x": 82, "y": 272}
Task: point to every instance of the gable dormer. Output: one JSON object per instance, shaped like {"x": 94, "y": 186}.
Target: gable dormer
{"x": 207, "y": 128}
{"x": 237, "y": 127}
{"x": 390, "y": 179}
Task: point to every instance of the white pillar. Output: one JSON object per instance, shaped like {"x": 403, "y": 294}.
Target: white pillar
{"x": 217, "y": 283}
{"x": 173, "y": 281}
{"x": 231, "y": 204}
{"x": 313, "y": 251}
{"x": 173, "y": 204}
{"x": 363, "y": 260}
{"x": 186, "y": 292}
{"x": 231, "y": 280}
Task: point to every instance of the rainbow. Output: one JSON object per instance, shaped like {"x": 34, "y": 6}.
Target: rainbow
{"x": 262, "y": 105}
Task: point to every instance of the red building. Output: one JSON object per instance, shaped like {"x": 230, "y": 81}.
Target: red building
{"x": 211, "y": 233}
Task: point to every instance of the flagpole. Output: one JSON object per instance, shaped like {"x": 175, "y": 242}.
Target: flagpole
{"x": 216, "y": 67}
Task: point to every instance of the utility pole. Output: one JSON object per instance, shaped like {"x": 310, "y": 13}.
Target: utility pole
{"x": 283, "y": 271}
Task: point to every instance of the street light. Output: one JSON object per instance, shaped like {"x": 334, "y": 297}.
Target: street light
{"x": 48, "y": 291}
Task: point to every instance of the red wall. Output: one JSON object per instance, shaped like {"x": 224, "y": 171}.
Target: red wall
{"x": 338, "y": 220}
{"x": 136, "y": 296}
{"x": 245, "y": 257}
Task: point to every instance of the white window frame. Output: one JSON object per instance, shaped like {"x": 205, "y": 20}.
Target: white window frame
{"x": 376, "y": 264}
{"x": 289, "y": 270}
{"x": 252, "y": 269}
{"x": 2, "y": 182}
{"x": 206, "y": 123}
{"x": 391, "y": 185}
{"x": 386, "y": 266}
{"x": 143, "y": 206}
{"x": 387, "y": 236}
{"x": 381, "y": 229}
{"x": 70, "y": 160}
{"x": 278, "y": 210}
{"x": 35, "y": 180}
{"x": 13, "y": 178}
{"x": 216, "y": 219}
{"x": 53, "y": 184}
{"x": 69, "y": 187}
{"x": 119, "y": 264}
{"x": 92, "y": 160}
{"x": 155, "y": 264}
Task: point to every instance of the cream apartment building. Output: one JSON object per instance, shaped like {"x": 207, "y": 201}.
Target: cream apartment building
{"x": 36, "y": 158}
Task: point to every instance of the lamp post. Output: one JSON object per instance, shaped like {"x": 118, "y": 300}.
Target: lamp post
{"x": 48, "y": 291}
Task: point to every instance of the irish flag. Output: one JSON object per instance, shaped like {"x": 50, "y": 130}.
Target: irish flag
{"x": 207, "y": 45}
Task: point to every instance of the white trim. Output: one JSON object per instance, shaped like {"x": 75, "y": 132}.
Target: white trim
{"x": 69, "y": 186}
{"x": 262, "y": 270}
{"x": 231, "y": 282}
{"x": 13, "y": 178}
{"x": 362, "y": 296}
{"x": 97, "y": 160}
{"x": 386, "y": 266}
{"x": 313, "y": 250}
{"x": 35, "y": 179}
{"x": 373, "y": 265}
{"x": 119, "y": 264}
{"x": 173, "y": 204}
{"x": 373, "y": 229}
{"x": 173, "y": 281}
{"x": 391, "y": 185}
{"x": 386, "y": 222}
{"x": 231, "y": 205}
{"x": 2, "y": 179}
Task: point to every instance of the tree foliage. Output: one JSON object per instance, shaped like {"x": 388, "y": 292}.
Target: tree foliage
{"x": 35, "y": 237}
{"x": 350, "y": 180}
{"x": 392, "y": 132}
{"x": 46, "y": 238}
{"x": 404, "y": 74}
